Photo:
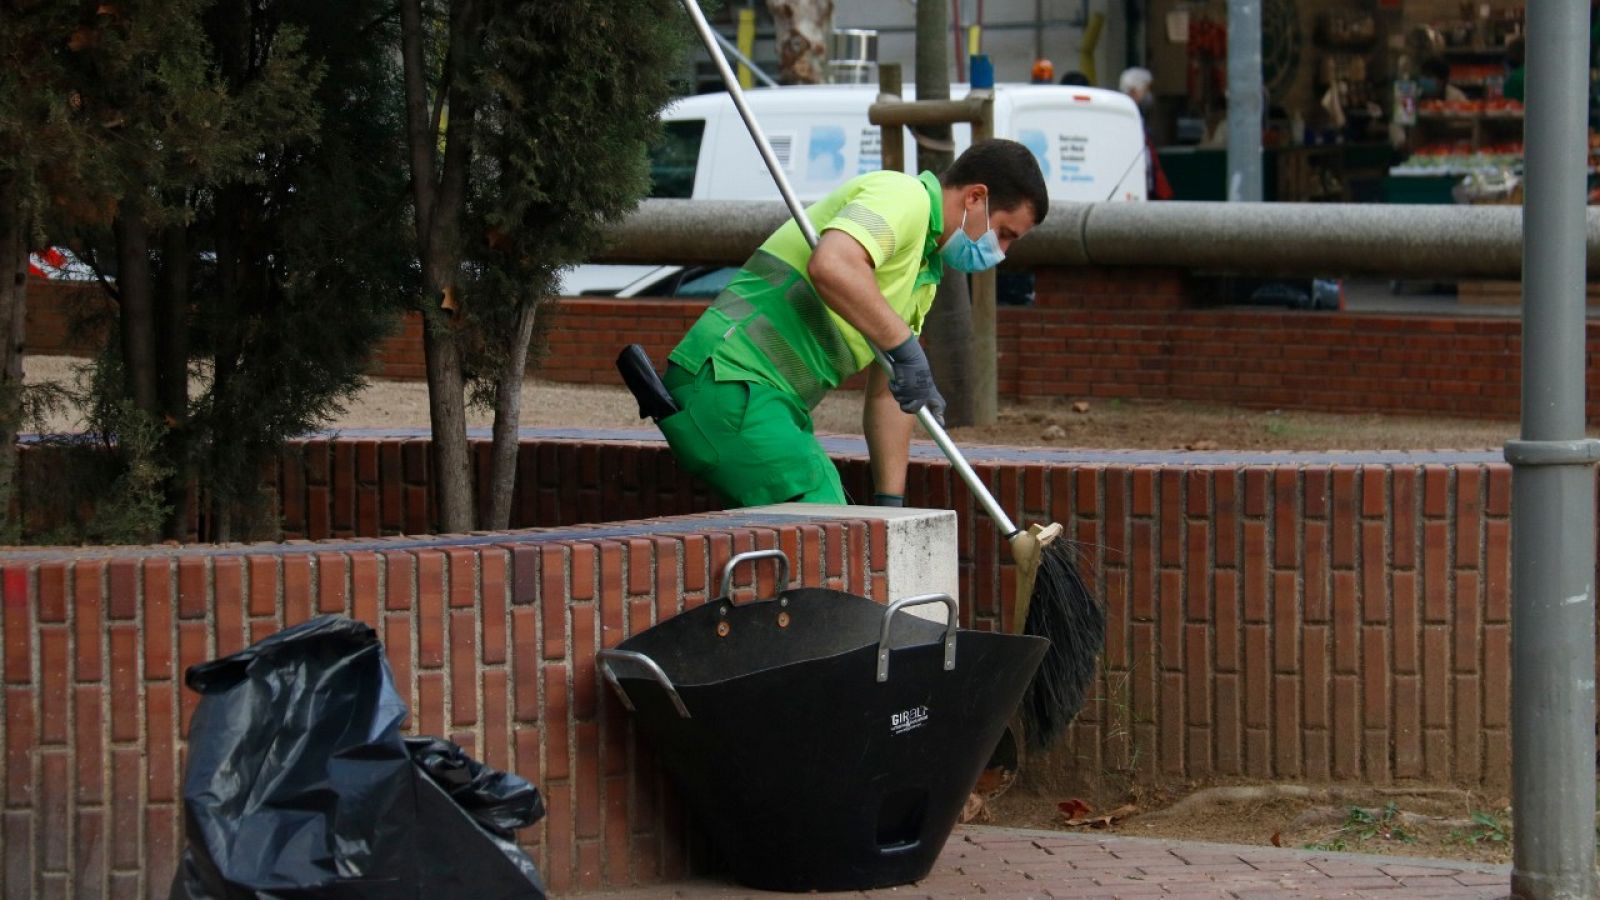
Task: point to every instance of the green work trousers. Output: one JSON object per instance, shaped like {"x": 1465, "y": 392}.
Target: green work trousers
{"x": 750, "y": 441}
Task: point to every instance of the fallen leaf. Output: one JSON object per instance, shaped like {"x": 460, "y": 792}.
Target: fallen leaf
{"x": 976, "y": 809}
{"x": 1074, "y": 808}
{"x": 994, "y": 781}
{"x": 1082, "y": 406}
{"x": 1277, "y": 839}
{"x": 1201, "y": 445}
{"x": 82, "y": 39}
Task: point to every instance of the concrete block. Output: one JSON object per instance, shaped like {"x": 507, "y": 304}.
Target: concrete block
{"x": 921, "y": 547}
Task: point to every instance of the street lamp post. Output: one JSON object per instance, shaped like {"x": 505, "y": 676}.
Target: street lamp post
{"x": 1552, "y": 516}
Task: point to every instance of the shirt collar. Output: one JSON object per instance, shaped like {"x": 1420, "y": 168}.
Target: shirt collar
{"x": 932, "y": 266}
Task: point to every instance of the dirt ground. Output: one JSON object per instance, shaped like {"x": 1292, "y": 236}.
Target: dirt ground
{"x": 1438, "y": 823}
{"x": 1063, "y": 423}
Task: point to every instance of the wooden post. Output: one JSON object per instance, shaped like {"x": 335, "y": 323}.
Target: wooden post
{"x": 893, "y": 140}
{"x": 985, "y": 347}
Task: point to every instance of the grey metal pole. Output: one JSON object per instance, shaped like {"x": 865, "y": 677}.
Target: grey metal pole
{"x": 1244, "y": 100}
{"x": 1552, "y": 516}
{"x": 732, "y": 50}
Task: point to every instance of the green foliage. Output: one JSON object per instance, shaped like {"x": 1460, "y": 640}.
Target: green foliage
{"x": 1362, "y": 825}
{"x": 311, "y": 251}
{"x": 106, "y": 487}
{"x": 258, "y": 142}
{"x": 1485, "y": 829}
{"x": 134, "y": 507}
{"x": 569, "y": 98}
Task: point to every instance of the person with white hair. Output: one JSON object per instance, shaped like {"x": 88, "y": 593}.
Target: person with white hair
{"x": 1136, "y": 83}
{"x": 1139, "y": 84}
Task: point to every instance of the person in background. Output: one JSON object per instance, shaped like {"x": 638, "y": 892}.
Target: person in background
{"x": 1433, "y": 82}
{"x": 1044, "y": 72}
{"x": 1138, "y": 83}
{"x": 1076, "y": 79}
{"x": 1517, "y": 70}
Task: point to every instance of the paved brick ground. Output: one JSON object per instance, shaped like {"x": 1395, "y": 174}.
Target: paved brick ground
{"x": 1003, "y": 862}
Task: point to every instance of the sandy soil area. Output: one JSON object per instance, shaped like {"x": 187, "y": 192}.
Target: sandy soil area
{"x": 1061, "y": 423}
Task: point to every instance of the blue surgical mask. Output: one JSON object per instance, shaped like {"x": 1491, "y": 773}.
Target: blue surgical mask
{"x": 967, "y": 255}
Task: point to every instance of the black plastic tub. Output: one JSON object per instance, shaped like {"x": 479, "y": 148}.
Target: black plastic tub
{"x": 824, "y": 742}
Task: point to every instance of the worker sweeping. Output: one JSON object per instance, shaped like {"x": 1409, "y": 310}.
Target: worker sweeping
{"x": 793, "y": 324}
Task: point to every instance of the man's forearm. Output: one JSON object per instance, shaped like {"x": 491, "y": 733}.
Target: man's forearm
{"x": 888, "y": 433}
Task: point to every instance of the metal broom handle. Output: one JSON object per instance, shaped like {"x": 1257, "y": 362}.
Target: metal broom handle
{"x": 934, "y": 429}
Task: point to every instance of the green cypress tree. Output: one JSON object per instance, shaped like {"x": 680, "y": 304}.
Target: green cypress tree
{"x": 252, "y": 239}
{"x": 551, "y": 109}
{"x": 311, "y": 252}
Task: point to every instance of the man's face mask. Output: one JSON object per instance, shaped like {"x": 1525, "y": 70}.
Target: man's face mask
{"x": 967, "y": 255}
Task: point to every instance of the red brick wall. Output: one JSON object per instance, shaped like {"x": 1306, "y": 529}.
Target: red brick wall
{"x": 1302, "y": 620}
{"x": 1093, "y": 333}
{"x": 1149, "y": 345}
{"x": 1329, "y": 361}
{"x": 1099, "y": 288}
{"x": 492, "y": 643}
{"x": 55, "y": 309}
{"x": 1310, "y": 619}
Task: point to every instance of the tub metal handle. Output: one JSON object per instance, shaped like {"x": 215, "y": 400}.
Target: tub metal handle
{"x": 919, "y": 600}
{"x": 752, "y": 556}
{"x": 649, "y": 665}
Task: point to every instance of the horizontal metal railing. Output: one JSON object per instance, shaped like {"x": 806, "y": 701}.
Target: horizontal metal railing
{"x": 1396, "y": 241}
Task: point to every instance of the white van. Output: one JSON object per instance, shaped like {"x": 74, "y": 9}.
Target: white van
{"x": 1089, "y": 144}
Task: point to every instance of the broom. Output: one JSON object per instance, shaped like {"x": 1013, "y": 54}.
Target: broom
{"x": 1053, "y": 600}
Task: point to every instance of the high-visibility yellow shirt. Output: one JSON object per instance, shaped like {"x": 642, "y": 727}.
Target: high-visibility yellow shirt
{"x": 770, "y": 326}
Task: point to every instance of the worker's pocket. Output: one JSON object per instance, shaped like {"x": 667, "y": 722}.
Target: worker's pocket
{"x": 713, "y": 414}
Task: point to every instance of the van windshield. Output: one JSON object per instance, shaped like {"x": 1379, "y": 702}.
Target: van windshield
{"x": 673, "y": 158}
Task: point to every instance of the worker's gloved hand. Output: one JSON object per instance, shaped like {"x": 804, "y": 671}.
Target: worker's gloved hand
{"x": 912, "y": 380}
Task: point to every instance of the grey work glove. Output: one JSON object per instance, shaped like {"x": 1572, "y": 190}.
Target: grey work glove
{"x": 912, "y": 380}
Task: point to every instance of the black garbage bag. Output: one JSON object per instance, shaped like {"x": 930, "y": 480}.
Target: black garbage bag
{"x": 499, "y": 802}
{"x": 299, "y": 784}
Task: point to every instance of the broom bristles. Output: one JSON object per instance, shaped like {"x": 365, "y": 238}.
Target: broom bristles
{"x": 1066, "y": 612}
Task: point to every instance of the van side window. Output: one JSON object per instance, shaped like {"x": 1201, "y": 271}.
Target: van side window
{"x": 673, "y": 158}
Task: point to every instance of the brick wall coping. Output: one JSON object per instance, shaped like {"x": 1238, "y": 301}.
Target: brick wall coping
{"x": 847, "y": 445}
{"x": 642, "y": 528}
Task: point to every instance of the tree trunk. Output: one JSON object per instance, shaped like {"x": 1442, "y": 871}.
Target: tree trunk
{"x": 948, "y": 329}
{"x": 439, "y": 199}
{"x": 447, "y": 413}
{"x": 508, "y": 419}
{"x": 949, "y": 324}
{"x": 13, "y": 319}
{"x": 172, "y": 386}
{"x": 933, "y": 81}
{"x": 802, "y": 29}
{"x": 136, "y": 295}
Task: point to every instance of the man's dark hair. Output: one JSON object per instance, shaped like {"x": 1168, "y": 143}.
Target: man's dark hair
{"x": 1075, "y": 79}
{"x": 1008, "y": 170}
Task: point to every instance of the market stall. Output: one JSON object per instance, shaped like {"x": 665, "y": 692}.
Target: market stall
{"x": 1397, "y": 101}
